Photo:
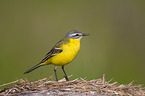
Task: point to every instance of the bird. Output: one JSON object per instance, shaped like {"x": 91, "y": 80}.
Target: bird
{"x": 62, "y": 53}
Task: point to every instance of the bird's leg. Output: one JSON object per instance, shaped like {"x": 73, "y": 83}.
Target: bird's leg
{"x": 55, "y": 73}
{"x": 65, "y": 74}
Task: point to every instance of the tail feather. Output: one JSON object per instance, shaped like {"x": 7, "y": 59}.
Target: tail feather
{"x": 33, "y": 68}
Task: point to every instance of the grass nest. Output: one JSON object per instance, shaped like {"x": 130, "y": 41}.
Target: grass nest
{"x": 79, "y": 86}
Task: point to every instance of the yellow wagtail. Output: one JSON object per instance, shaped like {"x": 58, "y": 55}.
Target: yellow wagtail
{"x": 63, "y": 52}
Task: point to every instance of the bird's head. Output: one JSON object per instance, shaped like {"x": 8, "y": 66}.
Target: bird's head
{"x": 74, "y": 34}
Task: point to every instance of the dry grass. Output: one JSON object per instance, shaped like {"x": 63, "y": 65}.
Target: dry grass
{"x": 78, "y": 86}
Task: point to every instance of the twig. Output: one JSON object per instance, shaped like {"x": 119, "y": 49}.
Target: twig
{"x": 103, "y": 81}
{"x": 9, "y": 83}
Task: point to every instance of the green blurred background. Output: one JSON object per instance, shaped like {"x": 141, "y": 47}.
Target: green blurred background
{"x": 116, "y": 45}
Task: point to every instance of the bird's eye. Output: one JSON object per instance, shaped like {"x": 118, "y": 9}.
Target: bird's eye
{"x": 77, "y": 34}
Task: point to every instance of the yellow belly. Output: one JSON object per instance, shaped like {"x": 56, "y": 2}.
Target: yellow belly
{"x": 70, "y": 50}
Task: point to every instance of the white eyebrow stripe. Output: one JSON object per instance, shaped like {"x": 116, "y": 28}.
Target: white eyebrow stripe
{"x": 73, "y": 34}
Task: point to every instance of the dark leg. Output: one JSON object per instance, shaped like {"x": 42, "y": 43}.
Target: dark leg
{"x": 65, "y": 74}
{"x": 55, "y": 73}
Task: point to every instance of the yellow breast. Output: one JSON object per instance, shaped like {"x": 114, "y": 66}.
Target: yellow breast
{"x": 70, "y": 50}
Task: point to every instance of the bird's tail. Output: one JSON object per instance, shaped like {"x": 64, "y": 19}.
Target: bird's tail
{"x": 33, "y": 68}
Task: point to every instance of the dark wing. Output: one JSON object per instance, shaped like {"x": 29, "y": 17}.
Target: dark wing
{"x": 54, "y": 51}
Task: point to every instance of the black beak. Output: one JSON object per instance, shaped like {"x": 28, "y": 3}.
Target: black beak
{"x": 85, "y": 34}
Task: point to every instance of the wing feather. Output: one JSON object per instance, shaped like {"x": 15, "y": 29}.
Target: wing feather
{"x": 54, "y": 51}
